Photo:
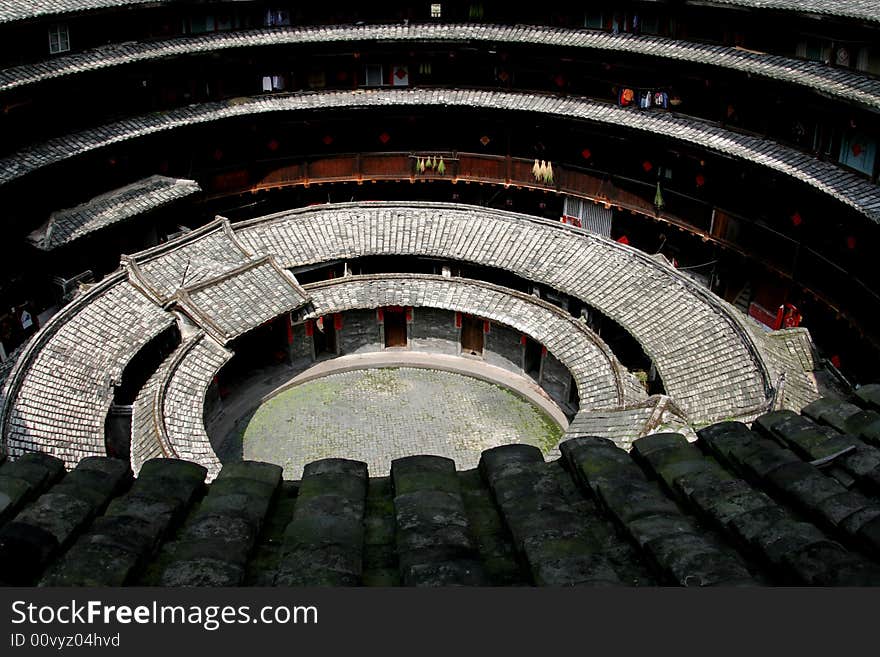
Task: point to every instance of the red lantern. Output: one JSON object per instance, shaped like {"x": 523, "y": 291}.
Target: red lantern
{"x": 586, "y": 154}
{"x": 647, "y": 166}
{"x": 796, "y": 219}
{"x": 384, "y": 137}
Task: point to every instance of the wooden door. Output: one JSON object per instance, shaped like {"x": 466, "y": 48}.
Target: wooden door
{"x": 395, "y": 327}
{"x": 471, "y": 335}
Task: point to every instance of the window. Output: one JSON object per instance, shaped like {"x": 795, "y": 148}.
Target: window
{"x": 400, "y": 76}
{"x": 858, "y": 150}
{"x": 59, "y": 40}
{"x": 869, "y": 60}
{"x": 273, "y": 83}
{"x": 813, "y": 49}
{"x": 202, "y": 24}
{"x": 436, "y": 10}
{"x": 373, "y": 75}
{"x": 277, "y": 17}
{"x": 316, "y": 80}
{"x": 594, "y": 20}
{"x": 650, "y": 25}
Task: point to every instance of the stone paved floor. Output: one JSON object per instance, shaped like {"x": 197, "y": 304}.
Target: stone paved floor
{"x": 381, "y": 414}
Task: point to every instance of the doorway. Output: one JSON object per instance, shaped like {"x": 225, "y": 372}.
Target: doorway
{"x": 532, "y": 358}
{"x": 324, "y": 336}
{"x": 395, "y": 327}
{"x": 471, "y": 335}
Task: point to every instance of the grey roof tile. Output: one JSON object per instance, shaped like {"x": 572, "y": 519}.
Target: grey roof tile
{"x": 600, "y": 381}
{"x": 840, "y": 83}
{"x": 66, "y": 226}
{"x": 242, "y": 298}
{"x": 866, "y": 10}
{"x": 848, "y": 188}
{"x": 712, "y": 370}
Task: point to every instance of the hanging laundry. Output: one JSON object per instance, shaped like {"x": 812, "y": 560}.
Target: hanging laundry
{"x": 645, "y": 99}
{"x": 661, "y": 99}
{"x": 626, "y": 97}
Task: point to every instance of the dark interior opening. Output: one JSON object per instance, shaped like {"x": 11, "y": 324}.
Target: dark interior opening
{"x": 573, "y": 397}
{"x": 264, "y": 346}
{"x": 144, "y": 364}
{"x": 395, "y": 327}
{"x": 532, "y": 358}
{"x": 324, "y": 336}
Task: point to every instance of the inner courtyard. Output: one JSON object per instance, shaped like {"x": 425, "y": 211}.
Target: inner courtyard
{"x": 378, "y": 415}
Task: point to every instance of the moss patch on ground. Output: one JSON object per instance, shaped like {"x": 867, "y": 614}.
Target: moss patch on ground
{"x": 380, "y": 414}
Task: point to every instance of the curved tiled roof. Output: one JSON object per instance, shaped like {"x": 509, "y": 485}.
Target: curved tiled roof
{"x": 836, "y": 82}
{"x": 866, "y": 10}
{"x": 66, "y": 226}
{"x": 18, "y": 10}
{"x": 242, "y": 298}
{"x": 148, "y": 438}
{"x": 737, "y": 507}
{"x": 622, "y": 426}
{"x": 167, "y": 416}
{"x": 599, "y": 376}
{"x": 846, "y": 187}
{"x": 690, "y": 335}
{"x": 202, "y": 254}
{"x": 61, "y": 388}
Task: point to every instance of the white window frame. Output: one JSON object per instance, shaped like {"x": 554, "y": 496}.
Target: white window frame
{"x": 61, "y": 41}
{"x": 436, "y": 10}
{"x": 273, "y": 83}
{"x": 372, "y": 83}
